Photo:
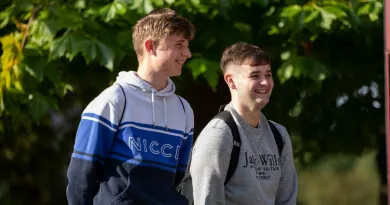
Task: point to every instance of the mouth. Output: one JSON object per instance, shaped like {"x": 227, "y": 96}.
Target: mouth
{"x": 181, "y": 62}
{"x": 262, "y": 91}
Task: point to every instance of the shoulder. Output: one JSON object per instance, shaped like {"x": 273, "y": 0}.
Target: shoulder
{"x": 112, "y": 97}
{"x": 186, "y": 106}
{"x": 282, "y": 130}
{"x": 216, "y": 131}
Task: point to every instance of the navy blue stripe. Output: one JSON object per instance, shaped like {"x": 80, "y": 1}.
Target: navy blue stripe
{"x": 101, "y": 118}
{"x": 142, "y": 160}
{"x": 142, "y": 164}
{"x": 187, "y": 135}
{"x": 153, "y": 127}
{"x": 182, "y": 166}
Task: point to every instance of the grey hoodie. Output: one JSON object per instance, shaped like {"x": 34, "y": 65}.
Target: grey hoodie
{"x": 261, "y": 177}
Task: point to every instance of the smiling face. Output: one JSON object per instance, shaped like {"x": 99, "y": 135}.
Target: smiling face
{"x": 252, "y": 85}
{"x": 247, "y": 72}
{"x": 171, "y": 54}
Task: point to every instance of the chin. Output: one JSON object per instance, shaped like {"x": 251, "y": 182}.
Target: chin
{"x": 261, "y": 103}
{"x": 176, "y": 74}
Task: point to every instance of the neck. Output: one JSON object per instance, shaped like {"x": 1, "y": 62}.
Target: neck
{"x": 156, "y": 80}
{"x": 250, "y": 116}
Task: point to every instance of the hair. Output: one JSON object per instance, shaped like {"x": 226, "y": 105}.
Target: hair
{"x": 242, "y": 53}
{"x": 159, "y": 24}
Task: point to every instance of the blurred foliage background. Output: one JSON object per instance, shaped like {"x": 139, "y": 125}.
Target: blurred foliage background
{"x": 327, "y": 59}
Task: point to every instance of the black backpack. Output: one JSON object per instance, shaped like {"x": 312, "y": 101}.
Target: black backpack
{"x": 185, "y": 186}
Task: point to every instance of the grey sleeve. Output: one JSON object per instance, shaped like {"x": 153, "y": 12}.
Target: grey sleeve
{"x": 288, "y": 185}
{"x": 210, "y": 161}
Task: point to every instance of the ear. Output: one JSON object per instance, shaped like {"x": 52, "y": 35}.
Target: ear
{"x": 150, "y": 47}
{"x": 229, "y": 81}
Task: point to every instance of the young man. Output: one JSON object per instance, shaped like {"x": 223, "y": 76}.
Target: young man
{"x": 262, "y": 176}
{"x": 133, "y": 141}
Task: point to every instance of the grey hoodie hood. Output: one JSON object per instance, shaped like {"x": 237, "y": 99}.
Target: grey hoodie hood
{"x": 131, "y": 77}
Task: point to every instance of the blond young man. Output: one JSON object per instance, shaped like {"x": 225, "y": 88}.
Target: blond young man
{"x": 263, "y": 175}
{"x": 133, "y": 141}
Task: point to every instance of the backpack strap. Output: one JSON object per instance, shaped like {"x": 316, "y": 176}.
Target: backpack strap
{"x": 124, "y": 107}
{"x": 277, "y": 137}
{"x": 182, "y": 104}
{"x": 228, "y": 118}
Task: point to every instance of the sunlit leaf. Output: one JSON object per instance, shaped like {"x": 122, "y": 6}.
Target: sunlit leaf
{"x": 107, "y": 56}
{"x": 327, "y": 19}
{"x": 209, "y": 69}
{"x": 290, "y": 11}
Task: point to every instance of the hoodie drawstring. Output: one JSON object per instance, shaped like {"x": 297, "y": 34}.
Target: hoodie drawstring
{"x": 154, "y": 122}
{"x": 165, "y": 112}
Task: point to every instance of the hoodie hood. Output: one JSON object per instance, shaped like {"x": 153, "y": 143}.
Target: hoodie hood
{"x": 131, "y": 78}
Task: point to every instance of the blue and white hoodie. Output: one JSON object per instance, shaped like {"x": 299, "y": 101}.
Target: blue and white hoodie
{"x": 138, "y": 160}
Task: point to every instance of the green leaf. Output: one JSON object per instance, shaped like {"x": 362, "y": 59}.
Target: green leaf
{"x": 298, "y": 66}
{"x": 107, "y": 56}
{"x": 285, "y": 55}
{"x": 5, "y": 16}
{"x": 51, "y": 72}
{"x": 69, "y": 18}
{"x": 58, "y": 47}
{"x": 29, "y": 83}
{"x": 212, "y": 74}
{"x": 291, "y": 11}
{"x": 273, "y": 30}
{"x": 285, "y": 72}
{"x": 247, "y": 3}
{"x": 43, "y": 31}
{"x": 80, "y": 4}
{"x": 34, "y": 66}
{"x": 111, "y": 10}
{"x": 337, "y": 11}
{"x": 70, "y": 45}
{"x": 62, "y": 89}
{"x": 148, "y": 7}
{"x": 209, "y": 69}
{"x": 327, "y": 19}
{"x": 364, "y": 10}
{"x": 263, "y": 3}
{"x": 296, "y": 111}
{"x": 39, "y": 105}
{"x": 313, "y": 15}
{"x": 197, "y": 67}
{"x": 89, "y": 51}
{"x": 2, "y": 106}
{"x": 158, "y": 3}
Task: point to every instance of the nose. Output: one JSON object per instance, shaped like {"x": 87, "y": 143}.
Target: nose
{"x": 187, "y": 52}
{"x": 264, "y": 80}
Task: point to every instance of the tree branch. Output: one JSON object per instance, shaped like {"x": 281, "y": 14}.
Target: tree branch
{"x": 26, "y": 31}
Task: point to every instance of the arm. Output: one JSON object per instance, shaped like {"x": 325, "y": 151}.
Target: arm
{"x": 94, "y": 137}
{"x": 288, "y": 185}
{"x": 210, "y": 162}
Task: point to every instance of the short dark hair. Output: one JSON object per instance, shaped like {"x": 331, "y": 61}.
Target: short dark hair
{"x": 242, "y": 53}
